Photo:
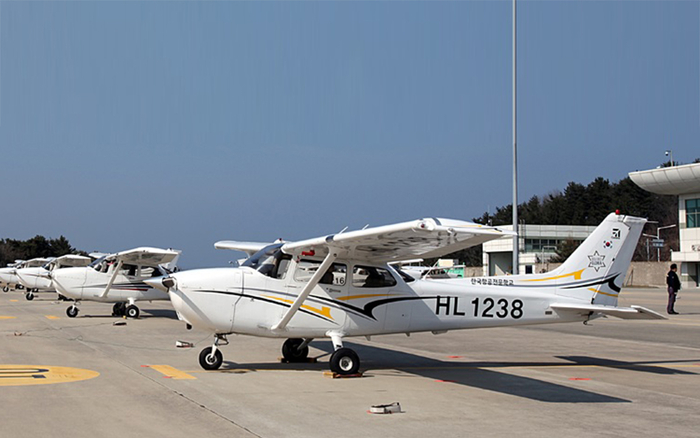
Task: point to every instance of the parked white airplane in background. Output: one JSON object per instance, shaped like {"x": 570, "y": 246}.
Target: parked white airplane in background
{"x": 341, "y": 286}
{"x": 38, "y": 279}
{"x": 117, "y": 278}
{"x": 8, "y": 275}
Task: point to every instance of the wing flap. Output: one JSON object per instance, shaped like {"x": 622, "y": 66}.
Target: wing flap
{"x": 632, "y": 312}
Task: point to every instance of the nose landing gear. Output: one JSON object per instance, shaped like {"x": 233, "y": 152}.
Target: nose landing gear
{"x": 211, "y": 358}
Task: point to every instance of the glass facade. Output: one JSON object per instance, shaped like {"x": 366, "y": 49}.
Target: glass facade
{"x": 692, "y": 213}
{"x": 537, "y": 245}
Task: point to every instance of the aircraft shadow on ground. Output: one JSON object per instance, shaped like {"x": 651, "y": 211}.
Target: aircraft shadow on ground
{"x": 479, "y": 375}
{"x": 654, "y": 367}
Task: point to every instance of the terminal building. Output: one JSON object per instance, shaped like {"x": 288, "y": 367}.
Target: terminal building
{"x": 538, "y": 244}
{"x": 684, "y": 182}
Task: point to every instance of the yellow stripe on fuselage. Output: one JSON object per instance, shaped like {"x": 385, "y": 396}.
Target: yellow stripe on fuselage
{"x": 576, "y": 275}
{"x": 323, "y": 311}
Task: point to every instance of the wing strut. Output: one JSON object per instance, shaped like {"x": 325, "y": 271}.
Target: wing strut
{"x": 330, "y": 258}
{"x": 111, "y": 280}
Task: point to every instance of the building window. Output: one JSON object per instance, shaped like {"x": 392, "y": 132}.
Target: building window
{"x": 692, "y": 213}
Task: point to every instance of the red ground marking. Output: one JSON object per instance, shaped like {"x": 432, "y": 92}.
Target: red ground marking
{"x": 579, "y": 378}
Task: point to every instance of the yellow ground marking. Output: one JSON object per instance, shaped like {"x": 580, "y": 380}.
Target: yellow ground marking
{"x": 7, "y": 317}
{"x": 13, "y": 301}
{"x": 52, "y": 317}
{"x": 23, "y": 375}
{"x": 172, "y": 373}
{"x": 323, "y": 311}
{"x": 576, "y": 275}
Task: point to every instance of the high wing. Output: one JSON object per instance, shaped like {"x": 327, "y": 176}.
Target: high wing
{"x": 249, "y": 248}
{"x": 423, "y": 238}
{"x": 145, "y": 256}
{"x": 74, "y": 260}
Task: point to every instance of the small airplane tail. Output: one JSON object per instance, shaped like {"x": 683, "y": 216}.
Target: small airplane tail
{"x": 596, "y": 271}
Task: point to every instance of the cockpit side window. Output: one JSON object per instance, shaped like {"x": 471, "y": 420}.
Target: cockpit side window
{"x": 372, "y": 277}
{"x": 336, "y": 274}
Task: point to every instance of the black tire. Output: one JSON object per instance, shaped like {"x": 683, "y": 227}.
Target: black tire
{"x": 345, "y": 361}
{"x": 132, "y": 311}
{"x": 5, "y": 289}
{"x": 291, "y": 351}
{"x": 209, "y": 361}
{"x": 29, "y": 296}
{"x": 72, "y": 311}
{"x": 119, "y": 309}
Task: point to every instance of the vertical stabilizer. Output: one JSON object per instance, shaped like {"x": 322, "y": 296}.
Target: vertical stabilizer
{"x": 596, "y": 271}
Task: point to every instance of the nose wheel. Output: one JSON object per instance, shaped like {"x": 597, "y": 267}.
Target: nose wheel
{"x": 72, "y": 311}
{"x": 211, "y": 358}
{"x": 29, "y": 296}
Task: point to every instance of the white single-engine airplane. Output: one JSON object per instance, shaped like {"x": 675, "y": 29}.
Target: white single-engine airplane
{"x": 343, "y": 285}
{"x": 8, "y": 275}
{"x": 38, "y": 279}
{"x": 117, "y": 278}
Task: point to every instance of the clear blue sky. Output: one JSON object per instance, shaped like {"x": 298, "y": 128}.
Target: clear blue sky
{"x": 177, "y": 124}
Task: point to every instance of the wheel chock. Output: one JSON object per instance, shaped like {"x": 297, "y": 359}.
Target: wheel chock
{"x": 393, "y": 408}
{"x": 333, "y": 375}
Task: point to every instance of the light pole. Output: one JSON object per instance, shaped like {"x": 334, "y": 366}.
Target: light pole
{"x": 668, "y": 152}
{"x": 658, "y": 250}
{"x": 516, "y": 246}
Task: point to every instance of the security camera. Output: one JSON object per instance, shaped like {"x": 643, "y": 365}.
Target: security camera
{"x": 667, "y": 153}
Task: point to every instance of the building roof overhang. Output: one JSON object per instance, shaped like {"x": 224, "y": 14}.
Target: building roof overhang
{"x": 675, "y": 180}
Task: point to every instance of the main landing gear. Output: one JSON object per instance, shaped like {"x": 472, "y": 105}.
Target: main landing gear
{"x": 344, "y": 361}
{"x": 5, "y": 289}
{"x": 30, "y": 294}
{"x": 122, "y": 309}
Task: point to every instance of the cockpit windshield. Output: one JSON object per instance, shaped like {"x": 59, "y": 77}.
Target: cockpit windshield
{"x": 270, "y": 261}
{"x": 98, "y": 262}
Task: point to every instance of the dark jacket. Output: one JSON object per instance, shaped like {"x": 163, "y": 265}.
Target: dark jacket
{"x": 672, "y": 281}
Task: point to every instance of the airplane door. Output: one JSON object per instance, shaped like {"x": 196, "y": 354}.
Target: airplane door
{"x": 335, "y": 286}
{"x": 332, "y": 287}
{"x": 238, "y": 289}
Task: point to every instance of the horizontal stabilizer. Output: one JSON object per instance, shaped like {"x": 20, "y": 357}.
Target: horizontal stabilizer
{"x": 633, "y": 312}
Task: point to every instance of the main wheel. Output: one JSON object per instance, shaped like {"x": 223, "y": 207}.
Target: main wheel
{"x": 132, "y": 311}
{"x": 72, "y": 311}
{"x": 345, "y": 361}
{"x": 119, "y": 309}
{"x": 29, "y": 296}
{"x": 291, "y": 351}
{"x": 210, "y": 361}
{"x": 5, "y": 289}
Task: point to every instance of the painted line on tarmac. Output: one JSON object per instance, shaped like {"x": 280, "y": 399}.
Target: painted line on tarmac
{"x": 25, "y": 375}
{"x": 14, "y": 301}
{"x": 52, "y": 317}
{"x": 171, "y": 372}
{"x": 7, "y": 317}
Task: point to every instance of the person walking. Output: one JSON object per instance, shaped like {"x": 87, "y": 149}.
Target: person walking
{"x": 674, "y": 285}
